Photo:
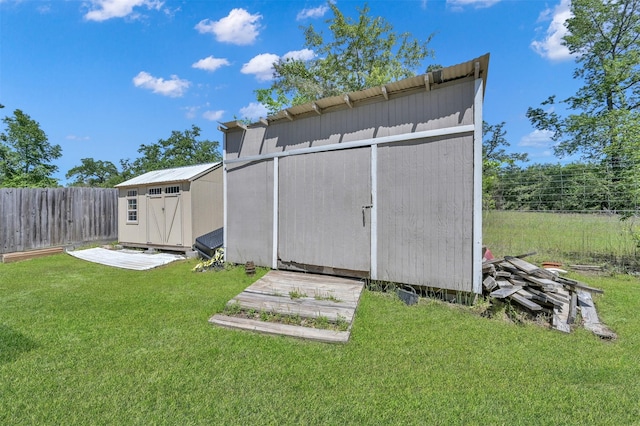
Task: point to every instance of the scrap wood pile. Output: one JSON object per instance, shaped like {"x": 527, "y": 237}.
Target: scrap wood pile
{"x": 543, "y": 291}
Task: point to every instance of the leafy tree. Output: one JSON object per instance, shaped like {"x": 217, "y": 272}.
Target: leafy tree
{"x": 494, "y": 158}
{"x": 605, "y": 37}
{"x": 99, "y": 173}
{"x": 360, "y": 53}
{"x": 180, "y": 149}
{"x": 26, "y": 154}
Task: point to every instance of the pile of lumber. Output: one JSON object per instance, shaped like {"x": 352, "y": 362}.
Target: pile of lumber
{"x": 542, "y": 291}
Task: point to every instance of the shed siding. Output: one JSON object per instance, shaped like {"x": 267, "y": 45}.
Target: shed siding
{"x": 206, "y": 202}
{"x": 250, "y": 222}
{"x": 449, "y": 106}
{"x": 425, "y": 213}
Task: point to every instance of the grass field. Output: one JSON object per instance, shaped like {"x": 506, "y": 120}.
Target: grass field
{"x": 87, "y": 344}
{"x": 571, "y": 238}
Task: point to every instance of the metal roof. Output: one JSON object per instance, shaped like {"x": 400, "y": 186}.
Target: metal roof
{"x": 178, "y": 174}
{"x": 477, "y": 68}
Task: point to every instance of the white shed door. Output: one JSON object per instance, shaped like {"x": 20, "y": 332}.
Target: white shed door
{"x": 164, "y": 220}
{"x": 324, "y": 214}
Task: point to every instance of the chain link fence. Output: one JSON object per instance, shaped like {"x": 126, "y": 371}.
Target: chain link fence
{"x": 578, "y": 213}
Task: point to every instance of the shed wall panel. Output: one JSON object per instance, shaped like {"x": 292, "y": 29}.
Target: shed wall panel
{"x": 206, "y": 203}
{"x": 418, "y": 111}
{"x": 425, "y": 211}
{"x": 250, "y": 221}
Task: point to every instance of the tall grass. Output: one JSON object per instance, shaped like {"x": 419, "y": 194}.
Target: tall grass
{"x": 86, "y": 344}
{"x": 563, "y": 237}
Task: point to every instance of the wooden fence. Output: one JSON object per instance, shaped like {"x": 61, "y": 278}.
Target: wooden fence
{"x": 46, "y": 217}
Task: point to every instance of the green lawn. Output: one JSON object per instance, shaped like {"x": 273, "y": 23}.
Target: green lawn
{"x": 87, "y": 344}
{"x": 570, "y": 238}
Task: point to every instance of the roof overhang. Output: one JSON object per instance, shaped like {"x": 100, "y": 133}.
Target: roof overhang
{"x": 473, "y": 69}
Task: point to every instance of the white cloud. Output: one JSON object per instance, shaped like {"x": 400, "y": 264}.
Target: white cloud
{"x": 213, "y": 115}
{"x": 101, "y": 10}
{"x": 300, "y": 55}
{"x": 210, "y": 63}
{"x": 551, "y": 46}
{"x": 537, "y": 139}
{"x": 261, "y": 66}
{"x": 239, "y": 27}
{"x": 191, "y": 111}
{"x": 316, "y": 12}
{"x": 77, "y": 138}
{"x": 174, "y": 87}
{"x": 253, "y": 111}
{"x": 459, "y": 4}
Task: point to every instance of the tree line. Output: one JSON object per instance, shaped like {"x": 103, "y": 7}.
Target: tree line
{"x": 26, "y": 157}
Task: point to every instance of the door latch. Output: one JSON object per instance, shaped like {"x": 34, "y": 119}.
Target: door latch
{"x": 369, "y": 206}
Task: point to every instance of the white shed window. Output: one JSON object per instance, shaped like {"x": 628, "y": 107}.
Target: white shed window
{"x": 155, "y": 191}
{"x": 172, "y": 189}
{"x": 132, "y": 206}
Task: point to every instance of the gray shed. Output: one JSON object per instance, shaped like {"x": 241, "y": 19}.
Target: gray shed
{"x": 169, "y": 209}
{"x": 385, "y": 183}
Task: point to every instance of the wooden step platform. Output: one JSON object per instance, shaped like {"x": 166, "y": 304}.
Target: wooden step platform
{"x": 295, "y": 293}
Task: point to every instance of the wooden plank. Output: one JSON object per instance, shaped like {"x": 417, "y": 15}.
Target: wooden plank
{"x": 489, "y": 283}
{"x": 525, "y": 302}
{"x": 561, "y": 315}
{"x": 302, "y": 295}
{"x": 327, "y": 336}
{"x": 315, "y": 286}
{"x": 545, "y": 297}
{"x": 284, "y": 305}
{"x": 24, "y": 255}
{"x": 587, "y": 267}
{"x": 346, "y": 294}
{"x": 503, "y": 283}
{"x": 488, "y": 268}
{"x": 523, "y": 265}
{"x": 505, "y": 291}
{"x": 573, "y": 305}
{"x": 545, "y": 283}
{"x": 516, "y": 281}
{"x": 529, "y": 268}
{"x": 590, "y": 317}
{"x": 580, "y": 285}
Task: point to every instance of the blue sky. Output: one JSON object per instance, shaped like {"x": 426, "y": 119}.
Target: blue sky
{"x": 103, "y": 77}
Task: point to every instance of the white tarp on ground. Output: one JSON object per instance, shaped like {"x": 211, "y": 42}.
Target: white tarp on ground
{"x": 127, "y": 259}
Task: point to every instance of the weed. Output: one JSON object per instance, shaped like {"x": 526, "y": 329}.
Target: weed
{"x": 233, "y": 309}
{"x": 330, "y": 297}
{"x": 264, "y": 316}
{"x": 322, "y": 322}
{"x": 297, "y": 294}
{"x": 341, "y": 323}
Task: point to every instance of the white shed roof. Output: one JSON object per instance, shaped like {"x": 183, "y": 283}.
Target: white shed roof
{"x": 179, "y": 174}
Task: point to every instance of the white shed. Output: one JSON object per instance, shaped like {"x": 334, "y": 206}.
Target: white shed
{"x": 168, "y": 209}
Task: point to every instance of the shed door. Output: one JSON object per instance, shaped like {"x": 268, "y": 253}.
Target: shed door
{"x": 155, "y": 219}
{"x": 173, "y": 220}
{"x": 164, "y": 219}
{"x": 324, "y": 215}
